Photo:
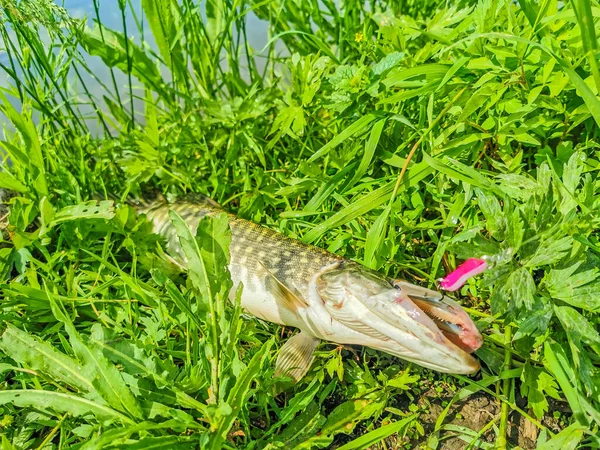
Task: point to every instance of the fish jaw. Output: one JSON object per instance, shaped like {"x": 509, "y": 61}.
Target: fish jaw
{"x": 448, "y": 315}
{"x": 437, "y": 350}
{"x": 385, "y": 318}
{"x": 412, "y": 329}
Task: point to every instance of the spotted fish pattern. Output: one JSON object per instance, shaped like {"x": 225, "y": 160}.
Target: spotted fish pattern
{"x": 256, "y": 251}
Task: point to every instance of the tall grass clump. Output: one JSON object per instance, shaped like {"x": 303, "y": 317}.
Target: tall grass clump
{"x": 407, "y": 136}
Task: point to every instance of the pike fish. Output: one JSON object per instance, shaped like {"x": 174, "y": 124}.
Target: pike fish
{"x": 330, "y": 298}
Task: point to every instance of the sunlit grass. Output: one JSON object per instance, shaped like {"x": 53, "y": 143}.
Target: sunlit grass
{"x": 406, "y": 137}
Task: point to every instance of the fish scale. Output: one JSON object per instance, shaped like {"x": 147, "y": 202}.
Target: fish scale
{"x": 252, "y": 246}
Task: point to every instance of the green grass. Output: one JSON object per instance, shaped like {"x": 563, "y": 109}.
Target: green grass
{"x": 407, "y": 137}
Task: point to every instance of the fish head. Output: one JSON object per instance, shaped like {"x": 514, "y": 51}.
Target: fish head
{"x": 439, "y": 336}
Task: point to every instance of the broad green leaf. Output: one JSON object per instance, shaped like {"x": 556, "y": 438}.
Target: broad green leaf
{"x": 82, "y": 211}
{"x": 111, "y": 47}
{"x": 33, "y": 157}
{"x": 577, "y": 326}
{"x": 429, "y": 71}
{"x": 216, "y": 20}
{"x": 565, "y": 280}
{"x": 41, "y": 356}
{"x": 213, "y": 237}
{"x": 522, "y": 287}
{"x": 495, "y": 222}
{"x": 7, "y": 181}
{"x": 578, "y": 289}
{"x": 570, "y": 180}
{"x": 164, "y": 20}
{"x": 5, "y": 444}
{"x": 516, "y": 186}
{"x": 388, "y": 62}
{"x": 586, "y": 297}
{"x": 105, "y": 377}
{"x": 536, "y": 384}
{"x": 536, "y": 323}
{"x": 61, "y": 403}
{"x": 515, "y": 230}
{"x": 191, "y": 248}
{"x": 550, "y": 251}
{"x": 572, "y": 172}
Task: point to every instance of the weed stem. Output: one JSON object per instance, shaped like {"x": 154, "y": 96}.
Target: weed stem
{"x": 506, "y": 387}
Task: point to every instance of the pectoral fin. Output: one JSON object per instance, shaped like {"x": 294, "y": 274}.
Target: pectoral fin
{"x": 284, "y": 295}
{"x": 296, "y": 356}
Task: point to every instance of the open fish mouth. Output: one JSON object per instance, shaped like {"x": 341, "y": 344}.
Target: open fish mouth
{"x": 402, "y": 319}
{"x": 448, "y": 315}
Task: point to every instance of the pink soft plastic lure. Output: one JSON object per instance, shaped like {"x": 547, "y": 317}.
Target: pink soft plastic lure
{"x": 456, "y": 279}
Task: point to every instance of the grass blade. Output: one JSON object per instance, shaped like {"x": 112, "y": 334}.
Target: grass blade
{"x": 238, "y": 395}
{"x": 375, "y": 436}
{"x": 367, "y": 203}
{"x": 370, "y": 148}
{"x": 164, "y": 18}
{"x": 31, "y": 141}
{"x": 355, "y": 128}
{"x": 567, "y": 439}
{"x": 206, "y": 255}
{"x": 375, "y": 237}
{"x": 559, "y": 366}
